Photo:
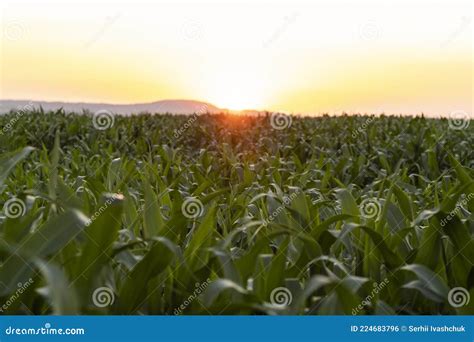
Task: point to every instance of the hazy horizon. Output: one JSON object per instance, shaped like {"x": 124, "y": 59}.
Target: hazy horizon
{"x": 112, "y": 107}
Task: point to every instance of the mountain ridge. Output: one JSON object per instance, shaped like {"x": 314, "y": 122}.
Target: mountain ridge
{"x": 172, "y": 106}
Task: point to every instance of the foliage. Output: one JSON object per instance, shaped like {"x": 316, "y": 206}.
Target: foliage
{"x": 328, "y": 209}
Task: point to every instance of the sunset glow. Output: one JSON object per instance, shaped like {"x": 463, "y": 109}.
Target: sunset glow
{"x": 307, "y": 57}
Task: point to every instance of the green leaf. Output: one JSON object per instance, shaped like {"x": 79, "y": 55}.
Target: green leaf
{"x": 404, "y": 201}
{"x": 8, "y": 162}
{"x": 133, "y": 292}
{"x": 391, "y": 258}
{"x": 152, "y": 221}
{"x": 45, "y": 241}
{"x": 196, "y": 253}
{"x": 429, "y": 251}
{"x": 348, "y": 203}
{"x": 313, "y": 285}
{"x": 59, "y": 290}
{"x": 429, "y": 283}
{"x": 217, "y": 287}
{"x": 101, "y": 233}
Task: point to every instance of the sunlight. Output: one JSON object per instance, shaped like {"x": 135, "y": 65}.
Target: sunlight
{"x": 236, "y": 90}
{"x": 285, "y": 57}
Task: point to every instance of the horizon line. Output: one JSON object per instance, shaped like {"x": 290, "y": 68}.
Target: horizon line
{"x": 231, "y": 111}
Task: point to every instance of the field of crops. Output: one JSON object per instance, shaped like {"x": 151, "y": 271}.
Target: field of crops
{"x": 222, "y": 214}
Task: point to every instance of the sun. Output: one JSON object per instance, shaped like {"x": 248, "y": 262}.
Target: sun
{"x": 236, "y": 98}
{"x": 236, "y": 91}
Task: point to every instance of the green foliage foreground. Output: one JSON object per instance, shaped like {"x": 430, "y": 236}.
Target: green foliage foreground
{"x": 226, "y": 215}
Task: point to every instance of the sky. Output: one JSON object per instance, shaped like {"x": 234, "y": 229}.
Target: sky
{"x": 293, "y": 56}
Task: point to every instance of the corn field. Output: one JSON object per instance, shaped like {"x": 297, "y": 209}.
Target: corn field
{"x": 225, "y": 214}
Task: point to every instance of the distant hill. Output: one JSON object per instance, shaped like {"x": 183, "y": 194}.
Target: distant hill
{"x": 161, "y": 107}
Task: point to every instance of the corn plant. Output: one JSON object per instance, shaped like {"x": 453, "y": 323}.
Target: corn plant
{"x": 225, "y": 214}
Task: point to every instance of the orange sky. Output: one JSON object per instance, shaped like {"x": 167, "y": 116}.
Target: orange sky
{"x": 305, "y": 57}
